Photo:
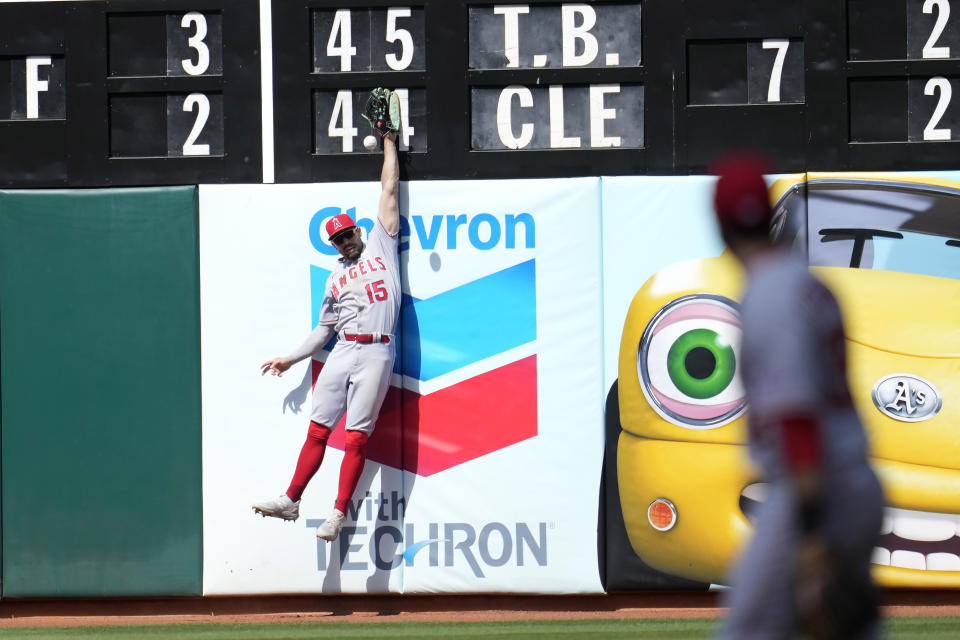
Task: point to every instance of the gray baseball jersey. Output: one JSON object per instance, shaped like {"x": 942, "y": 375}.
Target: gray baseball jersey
{"x": 362, "y": 296}
{"x": 793, "y": 359}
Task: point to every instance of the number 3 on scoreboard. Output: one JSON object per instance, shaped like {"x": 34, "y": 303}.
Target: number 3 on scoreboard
{"x": 196, "y": 43}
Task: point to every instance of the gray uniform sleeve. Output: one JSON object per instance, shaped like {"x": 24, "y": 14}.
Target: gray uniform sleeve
{"x": 324, "y": 329}
{"x": 314, "y": 342}
{"x": 384, "y": 244}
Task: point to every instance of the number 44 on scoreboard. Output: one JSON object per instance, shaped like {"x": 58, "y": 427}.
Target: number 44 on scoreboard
{"x": 339, "y": 127}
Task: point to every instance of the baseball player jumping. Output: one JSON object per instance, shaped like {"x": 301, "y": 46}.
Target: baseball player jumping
{"x": 808, "y": 565}
{"x": 361, "y": 304}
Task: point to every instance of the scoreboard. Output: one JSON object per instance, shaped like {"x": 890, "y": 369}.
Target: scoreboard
{"x": 150, "y": 92}
{"x": 132, "y": 92}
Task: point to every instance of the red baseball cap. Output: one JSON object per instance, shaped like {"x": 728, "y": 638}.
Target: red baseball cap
{"x": 741, "y": 199}
{"x": 338, "y": 223}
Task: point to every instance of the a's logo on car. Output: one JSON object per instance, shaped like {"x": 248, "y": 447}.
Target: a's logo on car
{"x": 906, "y": 397}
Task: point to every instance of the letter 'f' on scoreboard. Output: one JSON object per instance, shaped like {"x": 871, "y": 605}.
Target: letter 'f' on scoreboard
{"x": 35, "y": 86}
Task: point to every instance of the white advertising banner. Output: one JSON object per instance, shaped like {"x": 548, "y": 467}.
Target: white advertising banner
{"x": 649, "y": 223}
{"x": 483, "y": 473}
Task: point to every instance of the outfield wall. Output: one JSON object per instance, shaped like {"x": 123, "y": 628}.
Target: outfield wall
{"x": 100, "y": 366}
{"x": 497, "y": 463}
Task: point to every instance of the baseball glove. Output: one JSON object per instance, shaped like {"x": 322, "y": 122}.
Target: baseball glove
{"x": 382, "y": 111}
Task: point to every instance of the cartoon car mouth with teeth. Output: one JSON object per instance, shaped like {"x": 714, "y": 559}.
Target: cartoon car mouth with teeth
{"x": 889, "y": 248}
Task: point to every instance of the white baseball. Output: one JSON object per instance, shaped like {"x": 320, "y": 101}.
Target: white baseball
{"x": 370, "y": 143}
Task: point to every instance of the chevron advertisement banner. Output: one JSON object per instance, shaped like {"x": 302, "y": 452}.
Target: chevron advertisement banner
{"x": 483, "y": 471}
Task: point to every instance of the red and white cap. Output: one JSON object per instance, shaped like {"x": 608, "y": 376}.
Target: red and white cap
{"x": 741, "y": 200}
{"x": 338, "y": 223}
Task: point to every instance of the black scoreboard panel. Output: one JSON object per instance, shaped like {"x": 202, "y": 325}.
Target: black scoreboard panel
{"x": 122, "y": 92}
{"x": 601, "y": 43}
{"x": 901, "y": 64}
{"x": 322, "y": 79}
{"x": 547, "y": 88}
{"x": 556, "y": 117}
{"x": 131, "y": 92}
{"x": 759, "y": 71}
{"x": 741, "y": 81}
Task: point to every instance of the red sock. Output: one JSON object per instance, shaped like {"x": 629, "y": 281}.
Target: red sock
{"x": 310, "y": 458}
{"x": 355, "y": 454}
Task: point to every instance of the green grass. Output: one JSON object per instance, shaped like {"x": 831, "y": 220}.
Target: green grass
{"x": 520, "y": 630}
{"x": 615, "y": 629}
{"x": 923, "y": 628}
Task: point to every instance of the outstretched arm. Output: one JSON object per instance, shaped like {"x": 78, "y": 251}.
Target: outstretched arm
{"x": 324, "y": 330}
{"x": 389, "y": 209}
{"x": 314, "y": 342}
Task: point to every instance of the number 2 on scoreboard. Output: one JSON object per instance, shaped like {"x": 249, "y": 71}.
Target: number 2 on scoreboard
{"x": 940, "y": 85}
{"x": 930, "y": 50}
{"x": 202, "y": 103}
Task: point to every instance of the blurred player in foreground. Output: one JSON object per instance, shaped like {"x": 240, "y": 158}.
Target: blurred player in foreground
{"x": 807, "y": 567}
{"x": 360, "y": 306}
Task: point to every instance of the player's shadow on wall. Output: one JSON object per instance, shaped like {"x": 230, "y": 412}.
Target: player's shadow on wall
{"x": 295, "y": 400}
{"x": 402, "y": 430}
{"x": 409, "y": 357}
{"x": 387, "y": 547}
{"x": 297, "y": 397}
{"x": 410, "y": 398}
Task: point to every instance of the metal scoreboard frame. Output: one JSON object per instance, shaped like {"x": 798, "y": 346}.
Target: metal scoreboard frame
{"x": 152, "y": 92}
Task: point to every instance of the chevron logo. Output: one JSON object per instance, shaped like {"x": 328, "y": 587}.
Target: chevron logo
{"x": 465, "y": 379}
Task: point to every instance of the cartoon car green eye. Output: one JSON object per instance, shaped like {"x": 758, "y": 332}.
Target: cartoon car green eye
{"x": 687, "y": 362}
{"x": 701, "y": 363}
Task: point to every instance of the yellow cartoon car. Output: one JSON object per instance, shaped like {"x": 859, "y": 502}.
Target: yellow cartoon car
{"x": 889, "y": 248}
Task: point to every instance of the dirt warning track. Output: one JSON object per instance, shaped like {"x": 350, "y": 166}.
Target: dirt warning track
{"x": 399, "y": 608}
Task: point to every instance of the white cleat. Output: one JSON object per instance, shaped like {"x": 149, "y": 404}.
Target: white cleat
{"x": 282, "y": 507}
{"x": 330, "y": 528}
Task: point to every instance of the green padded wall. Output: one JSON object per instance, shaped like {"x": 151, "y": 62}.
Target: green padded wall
{"x": 100, "y": 384}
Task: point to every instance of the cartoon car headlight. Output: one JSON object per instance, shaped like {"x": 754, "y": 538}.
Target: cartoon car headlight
{"x": 687, "y": 362}
{"x": 889, "y": 248}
